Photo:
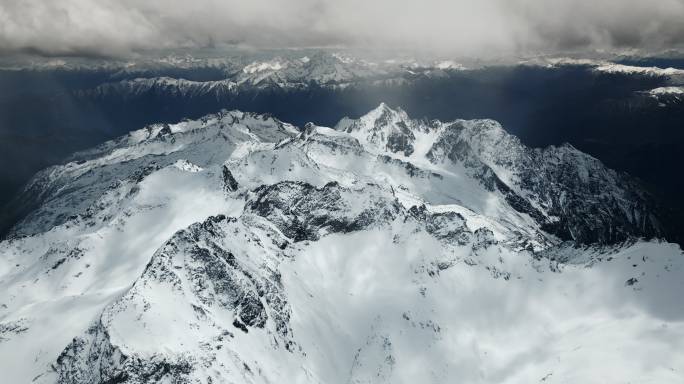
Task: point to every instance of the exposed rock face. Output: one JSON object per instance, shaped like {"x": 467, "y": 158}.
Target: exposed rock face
{"x": 229, "y": 182}
{"x": 387, "y": 129}
{"x": 211, "y": 270}
{"x": 301, "y": 211}
{"x": 568, "y": 193}
{"x": 237, "y": 249}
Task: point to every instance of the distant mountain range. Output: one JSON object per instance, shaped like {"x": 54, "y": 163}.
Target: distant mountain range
{"x": 619, "y": 98}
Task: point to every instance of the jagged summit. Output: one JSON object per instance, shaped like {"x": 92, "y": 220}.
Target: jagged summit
{"x": 385, "y": 128}
{"x": 237, "y": 248}
{"x": 563, "y": 190}
{"x": 394, "y": 131}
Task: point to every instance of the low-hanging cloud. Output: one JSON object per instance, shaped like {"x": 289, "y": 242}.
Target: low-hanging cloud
{"x": 128, "y": 27}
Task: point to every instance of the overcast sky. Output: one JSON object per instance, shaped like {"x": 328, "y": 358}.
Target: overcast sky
{"x": 124, "y": 28}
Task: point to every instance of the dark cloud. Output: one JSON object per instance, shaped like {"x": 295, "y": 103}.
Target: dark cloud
{"x": 604, "y": 23}
{"x": 126, "y": 27}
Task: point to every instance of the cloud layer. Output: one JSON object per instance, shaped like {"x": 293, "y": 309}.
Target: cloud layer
{"x": 125, "y": 27}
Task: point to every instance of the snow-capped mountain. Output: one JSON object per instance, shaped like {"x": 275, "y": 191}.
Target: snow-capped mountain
{"x": 336, "y": 71}
{"x": 228, "y": 77}
{"x": 144, "y": 67}
{"x": 239, "y": 249}
{"x": 299, "y": 81}
{"x": 331, "y": 71}
{"x": 116, "y": 97}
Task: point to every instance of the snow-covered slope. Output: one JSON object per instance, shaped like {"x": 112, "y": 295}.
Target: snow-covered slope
{"x": 236, "y": 249}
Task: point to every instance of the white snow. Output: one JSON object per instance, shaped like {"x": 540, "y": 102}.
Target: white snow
{"x": 393, "y": 302}
{"x": 260, "y": 67}
{"x": 450, "y": 65}
{"x": 667, "y": 90}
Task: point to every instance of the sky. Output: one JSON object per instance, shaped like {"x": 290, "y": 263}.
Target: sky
{"x": 126, "y": 28}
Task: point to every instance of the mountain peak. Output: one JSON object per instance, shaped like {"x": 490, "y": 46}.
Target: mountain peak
{"x": 385, "y": 129}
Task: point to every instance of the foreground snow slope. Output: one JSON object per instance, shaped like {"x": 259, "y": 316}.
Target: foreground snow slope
{"x": 237, "y": 249}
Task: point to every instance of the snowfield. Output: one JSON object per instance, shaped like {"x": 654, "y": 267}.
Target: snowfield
{"x": 239, "y": 249}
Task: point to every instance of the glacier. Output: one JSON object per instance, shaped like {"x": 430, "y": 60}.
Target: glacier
{"x": 240, "y": 249}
